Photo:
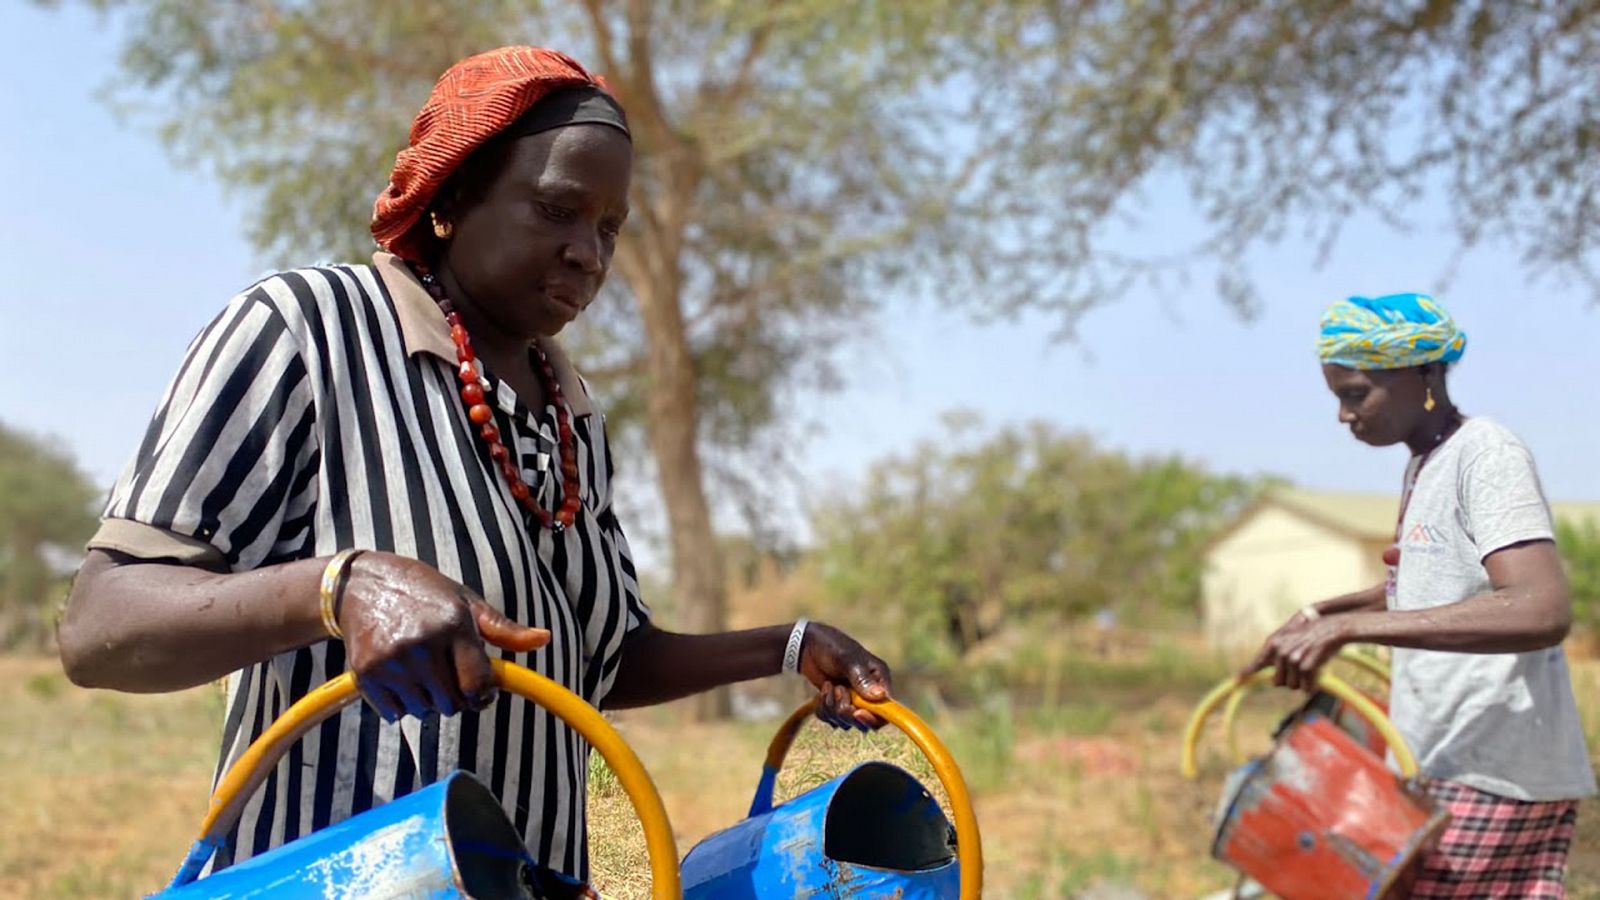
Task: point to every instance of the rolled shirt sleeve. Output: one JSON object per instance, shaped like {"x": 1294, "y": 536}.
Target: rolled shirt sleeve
{"x": 226, "y": 469}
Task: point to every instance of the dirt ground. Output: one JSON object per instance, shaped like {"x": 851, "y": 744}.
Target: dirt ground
{"x": 102, "y": 792}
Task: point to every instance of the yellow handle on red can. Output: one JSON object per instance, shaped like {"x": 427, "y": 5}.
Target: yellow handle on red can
{"x": 1326, "y": 681}
{"x": 969, "y": 843}
{"x": 1373, "y": 666}
{"x": 251, "y": 769}
{"x": 1377, "y": 668}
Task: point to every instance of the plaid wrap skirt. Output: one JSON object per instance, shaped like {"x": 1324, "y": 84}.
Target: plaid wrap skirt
{"x": 1497, "y": 847}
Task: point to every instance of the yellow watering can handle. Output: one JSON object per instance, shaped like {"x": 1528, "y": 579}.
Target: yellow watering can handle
{"x": 247, "y": 774}
{"x": 969, "y": 844}
{"x": 1371, "y": 665}
{"x": 1327, "y": 681}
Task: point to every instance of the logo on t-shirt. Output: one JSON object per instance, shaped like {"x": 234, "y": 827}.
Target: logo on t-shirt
{"x": 1424, "y": 538}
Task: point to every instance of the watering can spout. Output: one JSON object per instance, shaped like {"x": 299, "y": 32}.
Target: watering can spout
{"x": 874, "y": 831}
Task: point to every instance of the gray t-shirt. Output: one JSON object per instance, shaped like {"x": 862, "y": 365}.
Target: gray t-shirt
{"x": 1504, "y": 723}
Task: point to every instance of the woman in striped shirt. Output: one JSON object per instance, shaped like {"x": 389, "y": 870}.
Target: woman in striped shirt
{"x": 418, "y": 411}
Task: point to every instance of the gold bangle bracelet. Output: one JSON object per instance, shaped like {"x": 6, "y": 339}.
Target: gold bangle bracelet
{"x": 331, "y": 577}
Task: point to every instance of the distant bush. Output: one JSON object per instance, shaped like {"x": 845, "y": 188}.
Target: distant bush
{"x": 1580, "y": 550}
{"x": 46, "y": 514}
{"x": 954, "y": 544}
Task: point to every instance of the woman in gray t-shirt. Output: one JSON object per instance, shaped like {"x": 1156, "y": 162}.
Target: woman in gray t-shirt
{"x": 1476, "y": 607}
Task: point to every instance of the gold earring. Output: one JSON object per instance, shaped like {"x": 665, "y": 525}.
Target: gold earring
{"x": 442, "y": 229}
{"x": 1427, "y": 401}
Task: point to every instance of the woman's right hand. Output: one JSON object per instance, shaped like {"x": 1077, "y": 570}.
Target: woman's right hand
{"x": 415, "y": 639}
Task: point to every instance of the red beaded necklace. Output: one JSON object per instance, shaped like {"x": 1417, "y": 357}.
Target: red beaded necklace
{"x": 481, "y": 415}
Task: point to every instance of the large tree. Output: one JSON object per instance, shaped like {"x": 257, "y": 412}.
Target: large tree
{"x": 46, "y": 513}
{"x": 798, "y": 159}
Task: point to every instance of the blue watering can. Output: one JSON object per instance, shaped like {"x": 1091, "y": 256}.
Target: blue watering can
{"x": 450, "y": 839}
{"x": 869, "y": 833}
{"x": 872, "y": 832}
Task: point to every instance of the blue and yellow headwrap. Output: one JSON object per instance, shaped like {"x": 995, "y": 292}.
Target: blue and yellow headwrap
{"x": 1397, "y": 331}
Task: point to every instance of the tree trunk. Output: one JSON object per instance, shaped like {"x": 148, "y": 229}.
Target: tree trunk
{"x": 672, "y": 419}
{"x": 651, "y": 261}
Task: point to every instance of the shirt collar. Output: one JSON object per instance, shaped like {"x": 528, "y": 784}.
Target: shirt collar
{"x": 423, "y": 329}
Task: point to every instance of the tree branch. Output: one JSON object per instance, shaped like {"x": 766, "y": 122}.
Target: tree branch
{"x": 643, "y": 66}
{"x": 603, "y": 44}
{"x": 742, "y": 79}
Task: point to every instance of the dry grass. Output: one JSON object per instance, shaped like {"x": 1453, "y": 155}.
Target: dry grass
{"x": 102, "y": 791}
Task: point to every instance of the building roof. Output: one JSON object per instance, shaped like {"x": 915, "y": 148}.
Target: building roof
{"x": 1371, "y": 516}
{"x": 1366, "y": 516}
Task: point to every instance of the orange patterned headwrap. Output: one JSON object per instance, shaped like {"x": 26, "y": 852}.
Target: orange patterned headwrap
{"x": 472, "y": 102}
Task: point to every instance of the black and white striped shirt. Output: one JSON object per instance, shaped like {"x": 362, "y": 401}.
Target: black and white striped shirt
{"x": 320, "y": 412}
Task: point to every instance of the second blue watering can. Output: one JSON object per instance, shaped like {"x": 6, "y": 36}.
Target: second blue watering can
{"x": 874, "y": 831}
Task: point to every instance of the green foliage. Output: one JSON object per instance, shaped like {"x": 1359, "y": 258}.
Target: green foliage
{"x": 798, "y": 161}
{"x": 1579, "y": 543}
{"x": 46, "y": 685}
{"x": 1030, "y": 528}
{"x": 1080, "y": 718}
{"x": 602, "y": 781}
{"x": 1073, "y": 872}
{"x": 1293, "y": 116}
{"x": 795, "y": 159}
{"x": 785, "y": 168}
{"x": 46, "y": 513}
{"x": 985, "y": 741}
{"x": 1000, "y": 141}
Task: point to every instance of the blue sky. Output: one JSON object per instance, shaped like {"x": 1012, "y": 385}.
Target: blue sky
{"x": 116, "y": 257}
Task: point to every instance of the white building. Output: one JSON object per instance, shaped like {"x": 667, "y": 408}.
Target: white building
{"x": 1295, "y": 547}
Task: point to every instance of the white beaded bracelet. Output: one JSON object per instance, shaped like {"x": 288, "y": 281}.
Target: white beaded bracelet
{"x": 791, "y": 652}
{"x": 1311, "y": 612}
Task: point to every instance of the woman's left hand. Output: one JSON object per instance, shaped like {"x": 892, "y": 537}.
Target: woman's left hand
{"x": 837, "y": 665}
{"x": 1299, "y": 651}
